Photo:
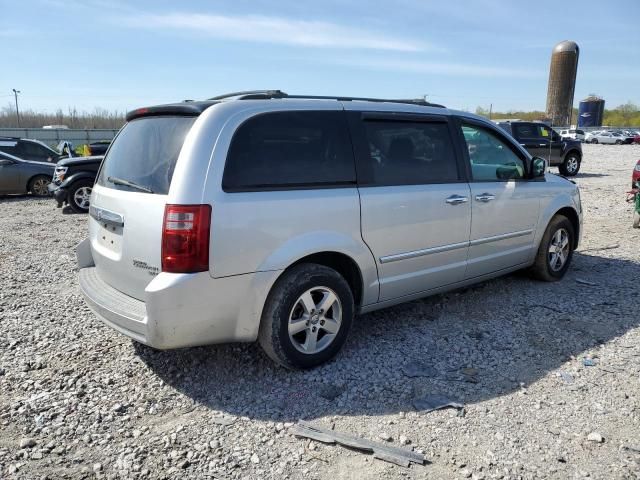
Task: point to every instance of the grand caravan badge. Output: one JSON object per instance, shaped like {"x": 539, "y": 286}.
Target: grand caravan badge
{"x": 151, "y": 270}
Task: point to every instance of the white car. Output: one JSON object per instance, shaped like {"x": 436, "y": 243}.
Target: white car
{"x": 573, "y": 133}
{"x": 604, "y": 137}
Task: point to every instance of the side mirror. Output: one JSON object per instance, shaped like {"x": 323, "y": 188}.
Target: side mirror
{"x": 5, "y": 161}
{"x": 538, "y": 167}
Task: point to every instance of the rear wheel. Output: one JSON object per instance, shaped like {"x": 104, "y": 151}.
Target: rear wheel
{"x": 618, "y": 142}
{"x": 595, "y": 140}
{"x": 571, "y": 165}
{"x": 79, "y": 194}
{"x": 38, "y": 185}
{"x": 307, "y": 316}
{"x": 555, "y": 251}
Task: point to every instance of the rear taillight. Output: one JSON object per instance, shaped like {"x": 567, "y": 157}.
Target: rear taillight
{"x": 185, "y": 238}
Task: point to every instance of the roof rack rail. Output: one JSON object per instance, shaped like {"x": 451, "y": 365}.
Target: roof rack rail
{"x": 417, "y": 101}
{"x": 277, "y": 94}
{"x": 252, "y": 94}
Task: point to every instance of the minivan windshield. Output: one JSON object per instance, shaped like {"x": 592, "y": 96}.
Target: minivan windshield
{"x": 144, "y": 154}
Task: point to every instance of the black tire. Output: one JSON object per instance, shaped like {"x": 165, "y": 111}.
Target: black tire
{"x": 571, "y": 165}
{"x": 283, "y": 300}
{"x": 38, "y": 186}
{"x": 81, "y": 187}
{"x": 636, "y": 220}
{"x": 618, "y": 142}
{"x": 595, "y": 140}
{"x": 542, "y": 268}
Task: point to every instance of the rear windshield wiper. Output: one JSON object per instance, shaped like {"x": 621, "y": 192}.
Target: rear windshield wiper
{"x": 129, "y": 183}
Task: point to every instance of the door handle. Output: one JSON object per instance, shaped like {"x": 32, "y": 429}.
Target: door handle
{"x": 456, "y": 200}
{"x": 485, "y": 197}
{"x": 543, "y": 144}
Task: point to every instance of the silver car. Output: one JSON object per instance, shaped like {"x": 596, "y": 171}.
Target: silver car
{"x": 277, "y": 218}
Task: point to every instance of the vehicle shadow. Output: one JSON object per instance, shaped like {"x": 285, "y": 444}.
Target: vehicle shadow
{"x": 481, "y": 342}
{"x": 67, "y": 210}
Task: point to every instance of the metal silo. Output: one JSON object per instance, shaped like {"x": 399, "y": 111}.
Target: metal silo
{"x": 591, "y": 112}
{"x": 562, "y": 82}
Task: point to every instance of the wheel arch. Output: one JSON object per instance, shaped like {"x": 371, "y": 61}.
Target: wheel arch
{"x": 341, "y": 263}
{"x": 573, "y": 150}
{"x": 572, "y": 215}
{"x": 76, "y": 177}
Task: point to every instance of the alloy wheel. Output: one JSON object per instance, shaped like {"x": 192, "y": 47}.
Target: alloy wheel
{"x": 572, "y": 164}
{"x": 39, "y": 187}
{"x": 82, "y": 196}
{"x": 315, "y": 320}
{"x": 559, "y": 250}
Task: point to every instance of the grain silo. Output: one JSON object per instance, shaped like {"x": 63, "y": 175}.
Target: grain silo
{"x": 591, "y": 112}
{"x": 562, "y": 82}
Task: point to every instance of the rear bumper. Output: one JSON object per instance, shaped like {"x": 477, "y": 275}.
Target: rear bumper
{"x": 182, "y": 310}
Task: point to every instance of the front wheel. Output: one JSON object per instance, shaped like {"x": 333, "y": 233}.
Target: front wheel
{"x": 555, "y": 251}
{"x": 618, "y": 142}
{"x": 571, "y": 165}
{"x": 595, "y": 140}
{"x": 79, "y": 195}
{"x": 38, "y": 186}
{"x": 307, "y": 316}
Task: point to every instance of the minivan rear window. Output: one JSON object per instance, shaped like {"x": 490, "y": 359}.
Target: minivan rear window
{"x": 295, "y": 149}
{"x": 144, "y": 154}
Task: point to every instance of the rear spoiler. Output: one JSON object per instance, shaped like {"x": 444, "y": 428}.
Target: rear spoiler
{"x": 186, "y": 109}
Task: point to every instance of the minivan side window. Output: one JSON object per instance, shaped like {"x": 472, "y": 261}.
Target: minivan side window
{"x": 409, "y": 153}
{"x": 288, "y": 150}
{"x": 490, "y": 157}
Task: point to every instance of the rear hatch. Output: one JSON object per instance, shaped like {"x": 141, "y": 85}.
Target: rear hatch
{"x": 129, "y": 198}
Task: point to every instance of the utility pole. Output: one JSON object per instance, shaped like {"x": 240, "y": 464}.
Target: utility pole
{"x": 490, "y": 110}
{"x": 15, "y": 94}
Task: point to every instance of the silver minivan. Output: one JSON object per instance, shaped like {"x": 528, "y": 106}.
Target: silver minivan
{"x": 272, "y": 217}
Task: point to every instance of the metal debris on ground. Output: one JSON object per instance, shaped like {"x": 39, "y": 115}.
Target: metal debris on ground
{"x": 419, "y": 369}
{"x": 224, "y": 421}
{"x": 399, "y": 456}
{"x": 595, "y": 249}
{"x": 566, "y": 377}
{"x": 430, "y": 402}
{"x": 588, "y": 362}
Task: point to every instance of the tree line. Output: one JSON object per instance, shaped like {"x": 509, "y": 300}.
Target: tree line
{"x": 99, "y": 118}
{"x": 627, "y": 115}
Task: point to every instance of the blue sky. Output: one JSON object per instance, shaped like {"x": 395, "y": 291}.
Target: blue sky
{"x": 462, "y": 53}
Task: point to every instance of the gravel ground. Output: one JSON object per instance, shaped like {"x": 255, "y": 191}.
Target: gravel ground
{"x": 78, "y": 400}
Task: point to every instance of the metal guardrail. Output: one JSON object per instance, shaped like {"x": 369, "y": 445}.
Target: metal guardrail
{"x": 54, "y": 135}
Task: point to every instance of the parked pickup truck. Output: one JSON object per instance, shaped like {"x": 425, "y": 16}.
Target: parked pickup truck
{"x": 73, "y": 181}
{"x": 540, "y": 140}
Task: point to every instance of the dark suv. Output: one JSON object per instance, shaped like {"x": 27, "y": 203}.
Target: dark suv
{"x": 540, "y": 140}
{"x": 73, "y": 181}
{"x": 27, "y": 149}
